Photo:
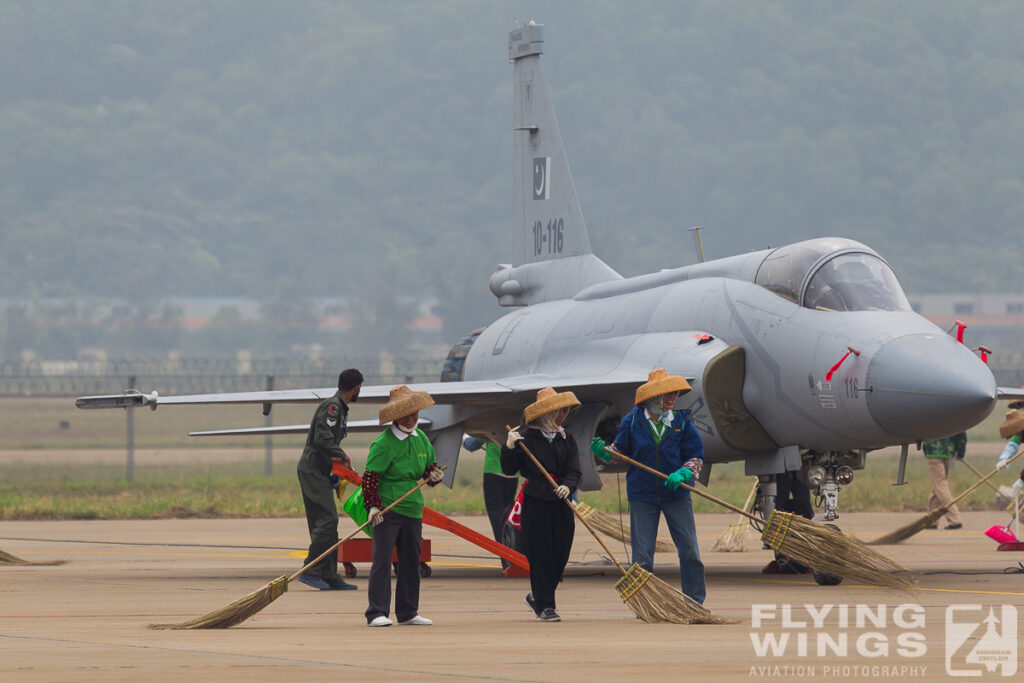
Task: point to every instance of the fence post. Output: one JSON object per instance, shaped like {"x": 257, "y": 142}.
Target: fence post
{"x": 129, "y": 417}
{"x": 268, "y": 466}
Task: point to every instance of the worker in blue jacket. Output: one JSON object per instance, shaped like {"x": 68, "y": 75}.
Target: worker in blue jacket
{"x": 657, "y": 435}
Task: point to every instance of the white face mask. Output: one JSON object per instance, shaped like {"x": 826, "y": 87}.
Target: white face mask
{"x": 658, "y": 410}
{"x": 548, "y": 428}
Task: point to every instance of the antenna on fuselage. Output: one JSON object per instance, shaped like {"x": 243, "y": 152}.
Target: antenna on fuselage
{"x": 696, "y": 238}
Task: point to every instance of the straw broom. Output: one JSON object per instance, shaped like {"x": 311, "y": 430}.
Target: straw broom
{"x": 248, "y": 605}
{"x": 814, "y": 545}
{"x": 609, "y": 526}
{"x": 734, "y": 538}
{"x": 979, "y": 475}
{"x": 908, "y": 530}
{"x": 650, "y": 598}
{"x": 14, "y": 560}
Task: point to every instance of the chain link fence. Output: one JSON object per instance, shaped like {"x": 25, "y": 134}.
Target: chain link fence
{"x": 173, "y": 375}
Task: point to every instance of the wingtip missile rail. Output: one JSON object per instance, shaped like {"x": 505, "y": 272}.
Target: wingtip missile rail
{"x": 127, "y": 399}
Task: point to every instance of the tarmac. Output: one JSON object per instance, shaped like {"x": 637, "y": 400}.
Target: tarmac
{"x": 87, "y": 620}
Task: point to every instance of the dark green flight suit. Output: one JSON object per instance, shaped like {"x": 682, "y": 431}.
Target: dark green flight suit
{"x": 323, "y": 443}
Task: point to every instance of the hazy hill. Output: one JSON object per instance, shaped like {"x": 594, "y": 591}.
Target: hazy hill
{"x": 283, "y": 150}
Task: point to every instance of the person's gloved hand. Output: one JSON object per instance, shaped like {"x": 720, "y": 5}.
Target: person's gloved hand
{"x": 681, "y": 476}
{"x": 376, "y": 516}
{"x": 513, "y": 437}
{"x": 436, "y": 475}
{"x": 597, "y": 445}
{"x": 562, "y": 492}
{"x": 1008, "y": 452}
{"x": 1018, "y": 488}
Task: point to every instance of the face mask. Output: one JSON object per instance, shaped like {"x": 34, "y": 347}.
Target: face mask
{"x": 656, "y": 407}
{"x": 548, "y": 427}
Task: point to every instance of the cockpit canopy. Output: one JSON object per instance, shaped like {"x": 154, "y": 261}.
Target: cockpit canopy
{"x": 832, "y": 274}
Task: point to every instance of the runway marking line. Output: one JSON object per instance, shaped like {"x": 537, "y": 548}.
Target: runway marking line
{"x": 854, "y": 585}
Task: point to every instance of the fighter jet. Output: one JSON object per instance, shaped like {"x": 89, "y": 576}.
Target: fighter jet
{"x": 803, "y": 358}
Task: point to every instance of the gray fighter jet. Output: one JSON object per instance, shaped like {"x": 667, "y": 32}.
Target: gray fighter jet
{"x": 802, "y": 358}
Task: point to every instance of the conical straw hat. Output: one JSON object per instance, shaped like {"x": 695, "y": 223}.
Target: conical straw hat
{"x": 1013, "y": 424}
{"x": 1016, "y": 402}
{"x": 660, "y": 382}
{"x": 548, "y": 401}
{"x": 404, "y": 401}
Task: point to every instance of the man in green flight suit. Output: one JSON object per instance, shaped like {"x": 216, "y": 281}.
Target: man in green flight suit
{"x": 939, "y": 454}
{"x": 323, "y": 443}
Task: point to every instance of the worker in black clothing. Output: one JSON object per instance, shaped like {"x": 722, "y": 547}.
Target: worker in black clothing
{"x": 792, "y": 495}
{"x": 548, "y": 523}
{"x": 323, "y": 444}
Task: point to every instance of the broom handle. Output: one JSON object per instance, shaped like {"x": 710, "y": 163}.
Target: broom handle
{"x": 554, "y": 484}
{"x": 978, "y": 474}
{"x": 750, "y": 497}
{"x": 983, "y": 480}
{"x": 361, "y": 527}
{"x": 713, "y": 499}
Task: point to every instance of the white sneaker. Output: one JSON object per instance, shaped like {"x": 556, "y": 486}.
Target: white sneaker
{"x": 380, "y": 621}
{"x": 416, "y": 621}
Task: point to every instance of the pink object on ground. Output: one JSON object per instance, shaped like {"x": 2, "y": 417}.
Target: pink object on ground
{"x": 1000, "y": 534}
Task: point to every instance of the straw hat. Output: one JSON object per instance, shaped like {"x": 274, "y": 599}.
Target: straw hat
{"x": 660, "y": 382}
{"x": 1016, "y": 402}
{"x": 548, "y": 401}
{"x": 1013, "y": 424}
{"x": 403, "y": 401}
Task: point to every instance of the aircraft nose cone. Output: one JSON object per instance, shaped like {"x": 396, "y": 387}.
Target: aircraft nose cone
{"x": 925, "y": 386}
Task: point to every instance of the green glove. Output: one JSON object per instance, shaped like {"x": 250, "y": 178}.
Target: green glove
{"x": 597, "y": 448}
{"x": 681, "y": 476}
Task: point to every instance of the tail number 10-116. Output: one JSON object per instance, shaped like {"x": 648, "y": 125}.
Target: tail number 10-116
{"x": 548, "y": 239}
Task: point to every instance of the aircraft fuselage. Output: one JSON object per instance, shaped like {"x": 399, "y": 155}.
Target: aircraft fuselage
{"x": 911, "y": 381}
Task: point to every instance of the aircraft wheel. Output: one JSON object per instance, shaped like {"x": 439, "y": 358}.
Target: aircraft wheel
{"x": 823, "y": 579}
{"x": 788, "y": 565}
{"x": 350, "y": 570}
{"x": 826, "y": 579}
{"x": 425, "y": 570}
{"x": 511, "y": 537}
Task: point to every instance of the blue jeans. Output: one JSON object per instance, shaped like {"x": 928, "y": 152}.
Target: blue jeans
{"x": 643, "y": 521}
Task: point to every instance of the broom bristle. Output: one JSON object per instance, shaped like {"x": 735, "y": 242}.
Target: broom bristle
{"x": 654, "y": 601}
{"x": 7, "y": 558}
{"x": 830, "y": 552}
{"x": 733, "y": 539}
{"x": 619, "y": 530}
{"x": 236, "y": 612}
{"x": 908, "y": 530}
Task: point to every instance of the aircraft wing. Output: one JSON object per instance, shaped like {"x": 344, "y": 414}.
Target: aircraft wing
{"x": 360, "y": 426}
{"x": 1010, "y": 392}
{"x": 369, "y": 394}
{"x": 474, "y": 392}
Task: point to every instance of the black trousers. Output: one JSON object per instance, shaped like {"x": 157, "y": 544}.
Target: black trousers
{"x": 548, "y": 529}
{"x": 407, "y": 534}
{"x": 499, "y": 494}
{"x": 792, "y": 495}
{"x": 321, "y": 518}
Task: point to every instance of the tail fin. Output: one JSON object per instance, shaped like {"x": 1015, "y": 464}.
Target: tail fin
{"x": 552, "y": 248}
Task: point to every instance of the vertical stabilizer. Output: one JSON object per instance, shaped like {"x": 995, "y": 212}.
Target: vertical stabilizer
{"x": 551, "y": 245}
